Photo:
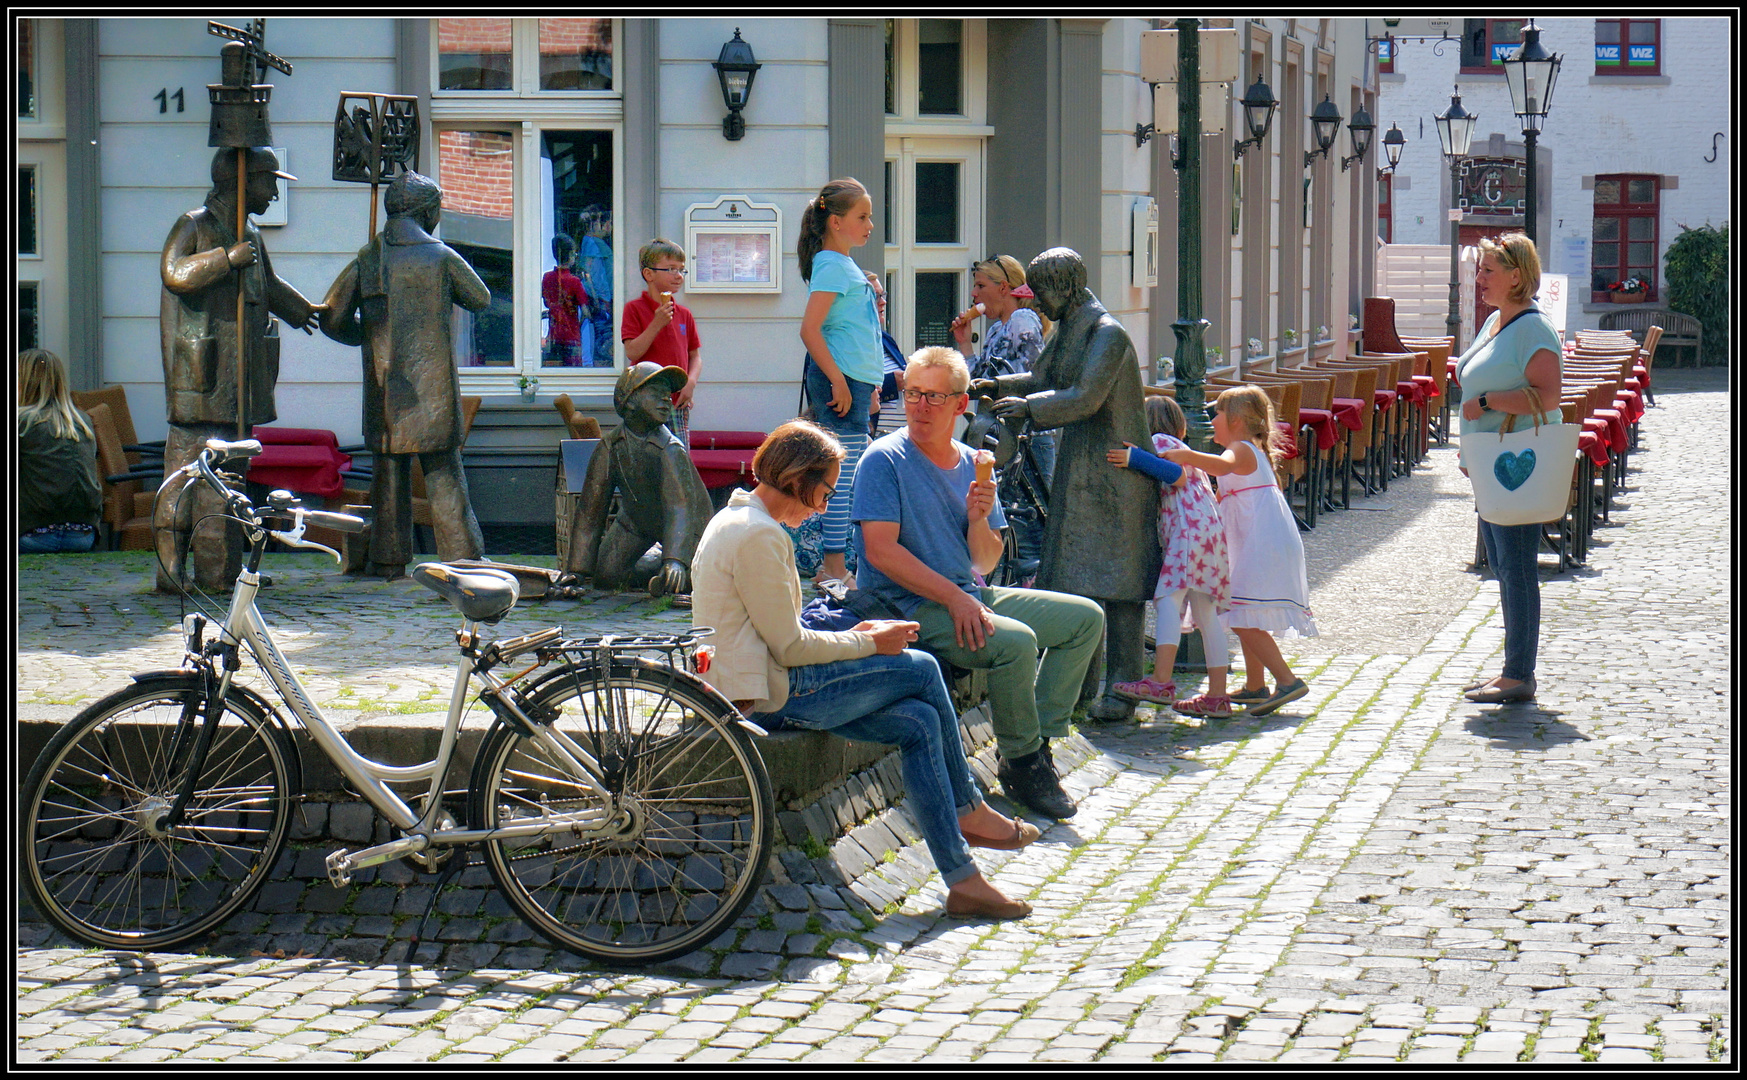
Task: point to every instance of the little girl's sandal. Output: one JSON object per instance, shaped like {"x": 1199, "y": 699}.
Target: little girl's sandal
{"x": 1147, "y": 689}
{"x": 1216, "y": 708}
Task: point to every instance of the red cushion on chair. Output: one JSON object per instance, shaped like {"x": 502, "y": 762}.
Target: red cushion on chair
{"x": 1322, "y": 421}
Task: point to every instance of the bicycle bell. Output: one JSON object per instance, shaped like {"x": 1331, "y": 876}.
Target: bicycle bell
{"x": 987, "y": 432}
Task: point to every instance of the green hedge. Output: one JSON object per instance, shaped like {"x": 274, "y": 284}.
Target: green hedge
{"x": 1697, "y": 272}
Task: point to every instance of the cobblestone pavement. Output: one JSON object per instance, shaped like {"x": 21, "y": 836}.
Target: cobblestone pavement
{"x": 1382, "y": 872}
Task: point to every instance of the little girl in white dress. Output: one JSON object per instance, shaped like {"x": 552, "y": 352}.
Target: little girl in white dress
{"x": 1269, "y": 594}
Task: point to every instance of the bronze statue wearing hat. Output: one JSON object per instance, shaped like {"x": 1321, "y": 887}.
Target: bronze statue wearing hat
{"x": 395, "y": 299}
{"x": 661, "y": 496}
{"x": 204, "y": 263}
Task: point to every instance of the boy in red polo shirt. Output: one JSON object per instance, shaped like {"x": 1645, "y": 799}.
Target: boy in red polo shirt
{"x": 657, "y": 328}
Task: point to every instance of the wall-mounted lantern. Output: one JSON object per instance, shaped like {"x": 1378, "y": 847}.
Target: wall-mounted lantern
{"x": 1325, "y": 124}
{"x": 1361, "y": 129}
{"x": 1259, "y": 105}
{"x": 1393, "y": 142}
{"x": 736, "y": 67}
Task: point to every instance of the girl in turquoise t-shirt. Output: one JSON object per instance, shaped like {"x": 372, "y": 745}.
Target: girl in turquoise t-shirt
{"x": 841, "y": 330}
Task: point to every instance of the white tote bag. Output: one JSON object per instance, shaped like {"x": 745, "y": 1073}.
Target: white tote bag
{"x": 1522, "y": 477}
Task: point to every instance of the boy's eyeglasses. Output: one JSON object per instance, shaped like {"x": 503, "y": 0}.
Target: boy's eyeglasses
{"x": 914, "y": 396}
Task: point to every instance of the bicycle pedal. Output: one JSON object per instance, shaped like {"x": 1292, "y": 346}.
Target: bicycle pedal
{"x": 340, "y": 868}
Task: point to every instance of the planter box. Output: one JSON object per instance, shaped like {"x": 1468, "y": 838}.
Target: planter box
{"x": 1628, "y": 298}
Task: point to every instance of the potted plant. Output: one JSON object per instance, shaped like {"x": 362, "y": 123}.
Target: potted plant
{"x": 1252, "y": 348}
{"x": 1215, "y": 356}
{"x": 1633, "y": 290}
{"x": 1291, "y": 337}
{"x": 1322, "y": 332}
{"x": 530, "y": 385}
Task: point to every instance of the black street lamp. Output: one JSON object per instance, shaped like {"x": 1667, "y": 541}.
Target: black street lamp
{"x": 1393, "y": 142}
{"x": 1259, "y": 104}
{"x": 1455, "y": 133}
{"x": 1361, "y": 128}
{"x": 736, "y": 68}
{"x": 1530, "y": 73}
{"x": 1325, "y": 124}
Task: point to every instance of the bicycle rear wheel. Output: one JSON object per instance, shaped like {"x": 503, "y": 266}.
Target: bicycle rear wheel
{"x": 692, "y": 851}
{"x": 94, "y": 859}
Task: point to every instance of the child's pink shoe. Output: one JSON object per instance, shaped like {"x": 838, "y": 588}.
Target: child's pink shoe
{"x": 1147, "y": 689}
{"x": 1207, "y": 705}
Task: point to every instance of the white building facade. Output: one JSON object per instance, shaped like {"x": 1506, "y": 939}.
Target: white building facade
{"x": 1636, "y": 143}
{"x": 974, "y": 136}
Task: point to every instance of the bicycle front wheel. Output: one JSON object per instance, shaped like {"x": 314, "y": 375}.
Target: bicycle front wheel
{"x": 98, "y": 865}
{"x": 690, "y": 849}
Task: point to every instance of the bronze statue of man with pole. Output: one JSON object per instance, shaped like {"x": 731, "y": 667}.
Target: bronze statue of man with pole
{"x": 219, "y": 339}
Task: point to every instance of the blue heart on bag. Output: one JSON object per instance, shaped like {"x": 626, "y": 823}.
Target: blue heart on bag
{"x": 1513, "y": 470}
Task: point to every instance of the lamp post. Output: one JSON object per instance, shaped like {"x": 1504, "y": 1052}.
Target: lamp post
{"x": 1530, "y": 74}
{"x": 1190, "y": 328}
{"x": 1455, "y": 132}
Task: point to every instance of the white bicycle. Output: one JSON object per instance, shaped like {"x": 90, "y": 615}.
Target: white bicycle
{"x": 619, "y": 800}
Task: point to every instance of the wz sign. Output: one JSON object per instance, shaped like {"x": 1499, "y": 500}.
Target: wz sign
{"x": 1637, "y": 55}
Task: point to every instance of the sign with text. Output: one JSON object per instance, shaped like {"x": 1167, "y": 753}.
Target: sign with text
{"x": 1492, "y": 186}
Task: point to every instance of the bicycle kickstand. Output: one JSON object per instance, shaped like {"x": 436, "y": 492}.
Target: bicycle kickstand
{"x": 456, "y": 864}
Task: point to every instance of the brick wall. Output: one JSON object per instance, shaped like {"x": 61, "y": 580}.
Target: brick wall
{"x": 474, "y": 35}
{"x": 476, "y": 171}
{"x": 569, "y": 36}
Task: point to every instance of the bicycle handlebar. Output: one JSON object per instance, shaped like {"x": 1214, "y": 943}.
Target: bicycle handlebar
{"x": 281, "y": 504}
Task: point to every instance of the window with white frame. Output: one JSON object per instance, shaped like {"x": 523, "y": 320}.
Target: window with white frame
{"x": 527, "y": 125}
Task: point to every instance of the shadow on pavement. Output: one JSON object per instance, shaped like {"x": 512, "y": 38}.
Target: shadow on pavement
{"x": 1523, "y": 726}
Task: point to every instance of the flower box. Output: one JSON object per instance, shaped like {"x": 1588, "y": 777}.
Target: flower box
{"x": 1628, "y": 298}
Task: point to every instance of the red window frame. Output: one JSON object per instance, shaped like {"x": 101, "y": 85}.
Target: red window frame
{"x": 1625, "y": 66}
{"x": 1492, "y": 38}
{"x": 1624, "y": 212}
{"x": 1386, "y": 209}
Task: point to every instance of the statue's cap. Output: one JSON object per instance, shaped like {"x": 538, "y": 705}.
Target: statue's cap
{"x": 263, "y": 159}
{"x": 256, "y": 159}
{"x": 639, "y": 374}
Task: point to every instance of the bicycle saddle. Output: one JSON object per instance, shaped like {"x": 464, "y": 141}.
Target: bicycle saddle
{"x": 479, "y": 594}
{"x": 987, "y": 431}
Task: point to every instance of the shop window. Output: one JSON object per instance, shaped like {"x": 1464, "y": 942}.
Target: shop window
{"x": 1486, "y": 42}
{"x": 940, "y": 67}
{"x": 27, "y": 212}
{"x": 27, "y": 69}
{"x": 28, "y": 335}
{"x": 515, "y": 175}
{"x": 1628, "y": 46}
{"x": 937, "y": 202}
{"x": 1625, "y": 235}
{"x": 524, "y": 55}
{"x": 937, "y": 304}
{"x": 1386, "y": 209}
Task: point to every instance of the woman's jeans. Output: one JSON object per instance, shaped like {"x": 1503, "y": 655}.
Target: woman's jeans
{"x": 56, "y": 539}
{"x": 1511, "y": 551}
{"x": 897, "y": 700}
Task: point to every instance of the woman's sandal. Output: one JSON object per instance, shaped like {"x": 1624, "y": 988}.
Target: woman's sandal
{"x": 1024, "y": 832}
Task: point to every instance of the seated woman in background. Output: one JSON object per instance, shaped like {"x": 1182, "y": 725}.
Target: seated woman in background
{"x": 861, "y": 683}
{"x": 59, "y": 499}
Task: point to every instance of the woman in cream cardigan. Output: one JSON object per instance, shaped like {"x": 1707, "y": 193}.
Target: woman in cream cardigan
{"x": 860, "y": 683}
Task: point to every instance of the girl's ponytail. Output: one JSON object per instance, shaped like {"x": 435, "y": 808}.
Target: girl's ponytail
{"x": 838, "y": 197}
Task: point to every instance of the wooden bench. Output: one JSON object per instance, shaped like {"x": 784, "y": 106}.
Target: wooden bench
{"x": 1678, "y": 328}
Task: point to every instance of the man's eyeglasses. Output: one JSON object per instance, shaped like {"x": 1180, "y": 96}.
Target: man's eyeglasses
{"x": 914, "y": 396}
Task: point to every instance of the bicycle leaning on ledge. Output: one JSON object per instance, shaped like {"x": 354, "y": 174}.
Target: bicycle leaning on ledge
{"x": 619, "y": 800}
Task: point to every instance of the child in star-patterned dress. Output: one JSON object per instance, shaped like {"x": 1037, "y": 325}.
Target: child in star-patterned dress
{"x": 1195, "y": 573}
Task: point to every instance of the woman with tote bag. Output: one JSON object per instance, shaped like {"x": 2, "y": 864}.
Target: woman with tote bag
{"x": 1510, "y": 372}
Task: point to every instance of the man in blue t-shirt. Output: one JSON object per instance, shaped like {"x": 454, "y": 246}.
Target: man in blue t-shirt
{"x": 928, "y": 527}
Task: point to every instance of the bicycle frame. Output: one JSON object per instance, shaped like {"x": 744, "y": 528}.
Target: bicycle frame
{"x": 244, "y": 625}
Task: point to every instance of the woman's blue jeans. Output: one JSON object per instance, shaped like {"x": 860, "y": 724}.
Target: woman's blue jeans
{"x": 1511, "y": 551}
{"x": 898, "y": 701}
{"x": 56, "y": 540}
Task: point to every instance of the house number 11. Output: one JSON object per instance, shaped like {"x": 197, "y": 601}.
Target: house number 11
{"x": 162, "y": 97}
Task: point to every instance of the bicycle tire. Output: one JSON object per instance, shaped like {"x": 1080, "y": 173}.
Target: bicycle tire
{"x": 93, "y": 860}
{"x": 680, "y": 875}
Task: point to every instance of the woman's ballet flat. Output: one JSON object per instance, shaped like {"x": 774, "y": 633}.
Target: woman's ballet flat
{"x": 1024, "y": 832}
{"x": 1478, "y": 683}
{"x": 972, "y": 908}
{"x": 1497, "y": 695}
